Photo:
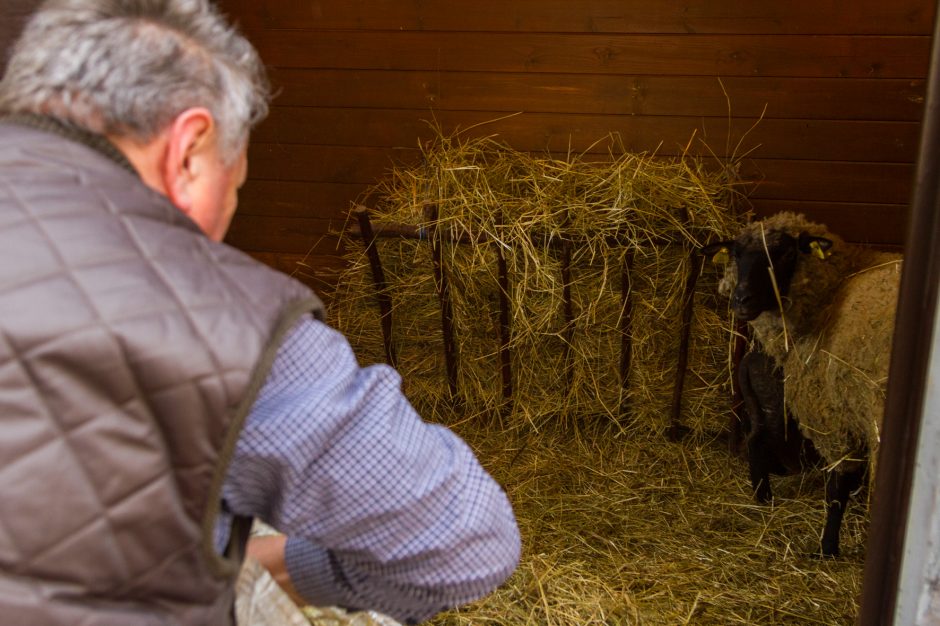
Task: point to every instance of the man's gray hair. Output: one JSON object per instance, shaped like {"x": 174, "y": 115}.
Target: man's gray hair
{"x": 129, "y": 67}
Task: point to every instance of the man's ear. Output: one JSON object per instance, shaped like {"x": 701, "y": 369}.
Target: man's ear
{"x": 189, "y": 136}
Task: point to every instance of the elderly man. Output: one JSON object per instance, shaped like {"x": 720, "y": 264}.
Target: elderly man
{"x": 158, "y": 388}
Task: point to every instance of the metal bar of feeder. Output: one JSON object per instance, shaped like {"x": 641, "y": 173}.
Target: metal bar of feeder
{"x": 626, "y": 329}
{"x": 409, "y": 231}
{"x": 381, "y": 286}
{"x": 741, "y": 333}
{"x": 568, "y": 333}
{"x": 675, "y": 428}
{"x": 447, "y": 313}
{"x": 505, "y": 357}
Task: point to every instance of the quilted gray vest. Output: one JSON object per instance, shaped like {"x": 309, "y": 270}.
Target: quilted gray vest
{"x": 131, "y": 350}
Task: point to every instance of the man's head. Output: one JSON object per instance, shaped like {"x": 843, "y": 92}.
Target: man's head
{"x": 168, "y": 81}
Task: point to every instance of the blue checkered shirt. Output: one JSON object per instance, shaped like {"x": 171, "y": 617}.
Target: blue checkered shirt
{"x": 383, "y": 511}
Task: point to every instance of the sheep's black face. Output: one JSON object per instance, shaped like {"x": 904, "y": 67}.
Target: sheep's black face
{"x": 755, "y": 292}
{"x": 764, "y": 267}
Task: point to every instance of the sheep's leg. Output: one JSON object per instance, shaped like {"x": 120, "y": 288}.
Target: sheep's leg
{"x": 762, "y": 394}
{"x": 839, "y": 485}
{"x": 759, "y": 468}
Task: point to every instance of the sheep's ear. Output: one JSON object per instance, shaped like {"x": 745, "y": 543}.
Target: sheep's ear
{"x": 720, "y": 252}
{"x": 817, "y": 246}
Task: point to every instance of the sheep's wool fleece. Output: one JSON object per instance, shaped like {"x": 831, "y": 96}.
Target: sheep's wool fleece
{"x": 833, "y": 339}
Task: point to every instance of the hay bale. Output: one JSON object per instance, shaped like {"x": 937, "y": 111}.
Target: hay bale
{"x": 528, "y": 208}
{"x": 619, "y": 526}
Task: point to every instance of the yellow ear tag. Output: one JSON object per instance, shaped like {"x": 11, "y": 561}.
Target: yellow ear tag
{"x": 721, "y": 257}
{"x": 818, "y": 251}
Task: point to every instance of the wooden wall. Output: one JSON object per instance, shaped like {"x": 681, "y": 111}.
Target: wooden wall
{"x": 13, "y": 15}
{"x": 840, "y": 88}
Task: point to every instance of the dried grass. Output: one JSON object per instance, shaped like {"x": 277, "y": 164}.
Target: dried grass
{"x": 619, "y": 525}
{"x": 656, "y": 210}
{"x": 627, "y": 528}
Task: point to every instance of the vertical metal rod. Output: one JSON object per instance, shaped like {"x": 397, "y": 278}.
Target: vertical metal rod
{"x": 505, "y": 357}
{"x": 675, "y": 429}
{"x": 626, "y": 330}
{"x": 568, "y": 332}
{"x": 736, "y": 421}
{"x": 447, "y": 312}
{"x": 381, "y": 287}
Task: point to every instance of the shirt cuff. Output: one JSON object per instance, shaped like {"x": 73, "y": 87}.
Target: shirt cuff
{"x": 311, "y": 574}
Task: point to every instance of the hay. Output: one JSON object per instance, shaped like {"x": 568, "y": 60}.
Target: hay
{"x": 619, "y": 525}
{"x": 654, "y": 212}
{"x": 632, "y": 529}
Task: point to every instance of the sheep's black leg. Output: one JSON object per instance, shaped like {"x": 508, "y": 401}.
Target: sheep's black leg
{"x": 839, "y": 485}
{"x": 762, "y": 395}
{"x": 760, "y": 472}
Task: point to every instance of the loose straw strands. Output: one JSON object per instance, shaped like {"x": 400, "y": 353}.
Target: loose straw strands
{"x": 479, "y": 199}
{"x": 619, "y": 525}
{"x": 623, "y": 530}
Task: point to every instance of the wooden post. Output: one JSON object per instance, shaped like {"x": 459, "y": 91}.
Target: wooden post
{"x": 378, "y": 277}
{"x": 447, "y": 312}
{"x": 626, "y": 330}
{"x": 675, "y": 429}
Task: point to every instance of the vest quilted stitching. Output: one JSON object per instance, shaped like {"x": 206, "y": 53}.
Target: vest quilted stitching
{"x": 129, "y": 347}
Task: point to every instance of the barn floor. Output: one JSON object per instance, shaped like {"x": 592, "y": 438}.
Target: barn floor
{"x": 623, "y": 528}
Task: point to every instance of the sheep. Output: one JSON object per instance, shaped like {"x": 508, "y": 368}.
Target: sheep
{"x": 824, "y": 311}
{"x": 775, "y": 444}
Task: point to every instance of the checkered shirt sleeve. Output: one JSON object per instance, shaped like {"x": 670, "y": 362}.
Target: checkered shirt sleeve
{"x": 383, "y": 511}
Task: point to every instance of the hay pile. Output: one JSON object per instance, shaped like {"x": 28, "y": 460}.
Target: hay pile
{"x": 620, "y": 526}
{"x": 623, "y": 529}
{"x": 528, "y": 208}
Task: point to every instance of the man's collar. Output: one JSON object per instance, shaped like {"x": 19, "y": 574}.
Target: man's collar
{"x": 72, "y": 132}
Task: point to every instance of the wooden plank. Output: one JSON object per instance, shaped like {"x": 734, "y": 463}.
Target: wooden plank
{"x": 833, "y": 181}
{"x": 15, "y": 15}
{"x": 330, "y": 164}
{"x": 836, "y": 56}
{"x": 862, "y": 222}
{"x": 805, "y": 98}
{"x": 319, "y": 272}
{"x": 881, "y": 225}
{"x": 612, "y": 16}
{"x": 838, "y": 140}
{"x": 878, "y": 224}
{"x": 828, "y": 181}
{"x": 283, "y": 234}
{"x": 330, "y": 201}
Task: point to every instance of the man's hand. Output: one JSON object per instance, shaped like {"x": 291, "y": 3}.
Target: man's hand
{"x": 269, "y": 551}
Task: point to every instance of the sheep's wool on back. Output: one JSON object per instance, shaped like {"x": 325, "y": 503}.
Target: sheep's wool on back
{"x": 833, "y": 338}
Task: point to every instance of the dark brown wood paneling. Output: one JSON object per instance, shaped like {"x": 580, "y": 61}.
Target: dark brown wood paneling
{"x": 899, "y": 17}
{"x": 699, "y": 55}
{"x": 805, "y": 98}
{"x": 292, "y": 235}
{"x": 837, "y": 140}
{"x": 830, "y": 181}
{"x": 838, "y": 92}
{"x": 15, "y": 14}
{"x": 851, "y": 221}
{"x": 298, "y": 198}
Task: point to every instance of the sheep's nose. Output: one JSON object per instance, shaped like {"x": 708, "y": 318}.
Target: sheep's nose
{"x": 745, "y": 305}
{"x": 743, "y": 299}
